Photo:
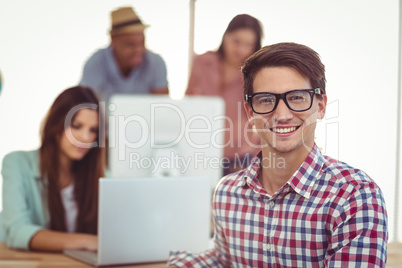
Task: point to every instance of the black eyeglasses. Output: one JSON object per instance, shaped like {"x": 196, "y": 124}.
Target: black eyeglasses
{"x": 298, "y": 100}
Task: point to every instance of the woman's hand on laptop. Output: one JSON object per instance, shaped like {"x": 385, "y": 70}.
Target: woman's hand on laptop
{"x": 82, "y": 241}
{"x": 89, "y": 242}
{"x": 48, "y": 240}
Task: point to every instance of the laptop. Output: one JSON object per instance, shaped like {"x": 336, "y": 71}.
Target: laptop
{"x": 142, "y": 219}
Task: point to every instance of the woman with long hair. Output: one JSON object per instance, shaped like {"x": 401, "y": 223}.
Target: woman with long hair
{"x": 218, "y": 73}
{"x": 50, "y": 195}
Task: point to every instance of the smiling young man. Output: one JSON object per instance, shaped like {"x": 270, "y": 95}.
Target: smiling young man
{"x": 308, "y": 211}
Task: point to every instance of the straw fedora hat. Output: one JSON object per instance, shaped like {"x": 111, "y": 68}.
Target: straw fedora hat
{"x": 124, "y": 20}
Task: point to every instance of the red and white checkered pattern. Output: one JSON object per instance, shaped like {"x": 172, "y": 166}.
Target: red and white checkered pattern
{"x": 327, "y": 215}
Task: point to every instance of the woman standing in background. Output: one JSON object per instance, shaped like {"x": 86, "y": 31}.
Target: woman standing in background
{"x": 50, "y": 195}
{"x": 217, "y": 73}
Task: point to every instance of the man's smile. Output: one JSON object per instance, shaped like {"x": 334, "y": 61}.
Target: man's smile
{"x": 284, "y": 129}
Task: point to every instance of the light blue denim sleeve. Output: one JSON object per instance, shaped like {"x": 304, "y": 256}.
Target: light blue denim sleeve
{"x": 19, "y": 188}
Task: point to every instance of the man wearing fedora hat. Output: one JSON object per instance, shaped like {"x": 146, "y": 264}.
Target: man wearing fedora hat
{"x": 126, "y": 66}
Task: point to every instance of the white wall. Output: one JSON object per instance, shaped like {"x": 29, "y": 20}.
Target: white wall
{"x": 45, "y": 43}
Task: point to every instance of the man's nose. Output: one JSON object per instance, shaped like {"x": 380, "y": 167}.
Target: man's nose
{"x": 282, "y": 112}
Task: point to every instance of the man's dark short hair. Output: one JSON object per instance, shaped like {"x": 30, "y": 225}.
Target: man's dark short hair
{"x": 299, "y": 57}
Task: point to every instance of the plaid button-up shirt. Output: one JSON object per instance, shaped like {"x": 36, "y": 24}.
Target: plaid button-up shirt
{"x": 328, "y": 214}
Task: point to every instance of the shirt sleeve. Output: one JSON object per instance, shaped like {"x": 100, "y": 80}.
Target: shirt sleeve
{"x": 159, "y": 80}
{"x": 93, "y": 75}
{"x": 16, "y": 215}
{"x": 359, "y": 229}
{"x": 217, "y": 257}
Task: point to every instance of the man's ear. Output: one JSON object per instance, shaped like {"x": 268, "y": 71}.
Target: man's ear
{"x": 249, "y": 112}
{"x": 322, "y": 106}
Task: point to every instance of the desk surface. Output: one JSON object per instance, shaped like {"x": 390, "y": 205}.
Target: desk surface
{"x": 14, "y": 258}
{"x": 394, "y": 255}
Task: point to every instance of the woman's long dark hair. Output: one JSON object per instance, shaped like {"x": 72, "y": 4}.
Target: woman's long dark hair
{"x": 86, "y": 171}
{"x": 243, "y": 21}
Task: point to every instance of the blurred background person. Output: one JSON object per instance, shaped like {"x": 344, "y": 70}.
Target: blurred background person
{"x": 218, "y": 73}
{"x": 50, "y": 195}
{"x": 125, "y": 66}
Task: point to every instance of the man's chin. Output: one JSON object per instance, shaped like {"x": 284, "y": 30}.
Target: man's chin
{"x": 135, "y": 62}
{"x": 284, "y": 148}
{"x": 135, "y": 65}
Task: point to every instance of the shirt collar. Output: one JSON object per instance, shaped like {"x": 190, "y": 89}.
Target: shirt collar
{"x": 308, "y": 173}
{"x": 113, "y": 66}
{"x": 251, "y": 172}
{"x": 35, "y": 155}
{"x": 302, "y": 181}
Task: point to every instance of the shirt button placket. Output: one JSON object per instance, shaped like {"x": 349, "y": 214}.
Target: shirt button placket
{"x": 267, "y": 231}
{"x": 267, "y": 247}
